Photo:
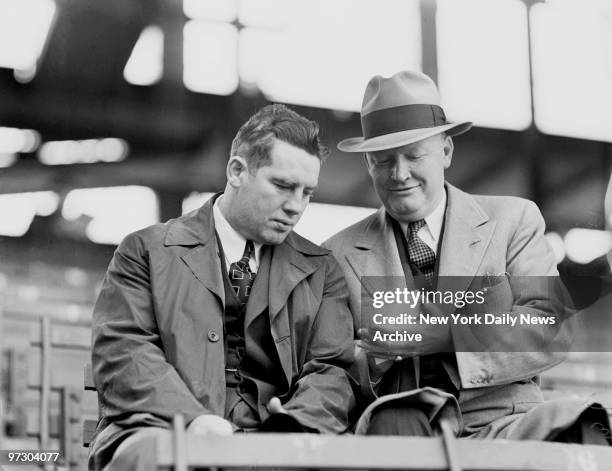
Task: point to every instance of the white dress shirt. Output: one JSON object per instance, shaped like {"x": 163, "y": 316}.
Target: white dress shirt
{"x": 233, "y": 243}
{"x": 430, "y": 233}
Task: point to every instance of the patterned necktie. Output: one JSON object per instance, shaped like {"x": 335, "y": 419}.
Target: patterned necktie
{"x": 240, "y": 274}
{"x": 419, "y": 252}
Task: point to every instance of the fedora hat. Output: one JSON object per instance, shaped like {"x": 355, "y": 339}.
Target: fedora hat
{"x": 398, "y": 111}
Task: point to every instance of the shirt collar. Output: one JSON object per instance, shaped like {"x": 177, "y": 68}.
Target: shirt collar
{"x": 232, "y": 241}
{"x": 434, "y": 221}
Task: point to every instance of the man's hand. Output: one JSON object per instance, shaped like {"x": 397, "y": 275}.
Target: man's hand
{"x": 275, "y": 406}
{"x": 434, "y": 339}
{"x": 210, "y": 425}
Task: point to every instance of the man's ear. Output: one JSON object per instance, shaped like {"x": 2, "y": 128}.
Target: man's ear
{"x": 236, "y": 170}
{"x": 367, "y": 160}
{"x": 448, "y": 147}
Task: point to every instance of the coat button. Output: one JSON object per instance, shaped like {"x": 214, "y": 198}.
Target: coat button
{"x": 213, "y": 336}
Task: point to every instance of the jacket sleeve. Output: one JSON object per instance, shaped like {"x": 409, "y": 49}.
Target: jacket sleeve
{"x": 529, "y": 290}
{"x": 529, "y": 254}
{"x": 131, "y": 372}
{"x": 323, "y": 397}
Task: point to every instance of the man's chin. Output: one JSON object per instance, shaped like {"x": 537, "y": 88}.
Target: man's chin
{"x": 404, "y": 212}
{"x": 274, "y": 237}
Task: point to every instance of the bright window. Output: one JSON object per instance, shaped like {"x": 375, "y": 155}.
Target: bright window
{"x": 114, "y": 212}
{"x": 146, "y": 63}
{"x": 308, "y": 52}
{"x": 210, "y": 59}
{"x": 483, "y": 62}
{"x": 18, "y": 210}
{"x": 573, "y": 68}
{"x": 327, "y": 51}
{"x": 24, "y": 26}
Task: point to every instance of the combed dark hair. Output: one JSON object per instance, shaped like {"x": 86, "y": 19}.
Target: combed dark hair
{"x": 255, "y": 138}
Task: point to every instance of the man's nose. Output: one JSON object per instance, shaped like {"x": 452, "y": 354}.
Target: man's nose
{"x": 295, "y": 203}
{"x": 401, "y": 170}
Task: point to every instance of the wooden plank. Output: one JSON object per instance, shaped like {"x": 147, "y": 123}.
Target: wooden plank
{"x": 88, "y": 380}
{"x": 89, "y": 400}
{"x": 25, "y": 330}
{"x": 58, "y": 312}
{"x": 368, "y": 452}
{"x": 65, "y": 367}
{"x": 55, "y": 424}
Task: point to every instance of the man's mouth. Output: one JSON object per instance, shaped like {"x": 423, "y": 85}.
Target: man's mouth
{"x": 404, "y": 189}
{"x": 283, "y": 224}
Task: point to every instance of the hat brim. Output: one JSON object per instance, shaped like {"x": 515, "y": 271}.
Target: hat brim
{"x": 399, "y": 139}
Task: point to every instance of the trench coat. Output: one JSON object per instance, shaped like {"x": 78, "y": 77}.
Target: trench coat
{"x": 158, "y": 346}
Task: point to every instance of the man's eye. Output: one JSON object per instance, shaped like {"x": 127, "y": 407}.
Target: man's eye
{"x": 282, "y": 186}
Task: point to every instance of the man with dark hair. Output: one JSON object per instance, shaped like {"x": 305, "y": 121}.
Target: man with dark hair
{"x": 225, "y": 315}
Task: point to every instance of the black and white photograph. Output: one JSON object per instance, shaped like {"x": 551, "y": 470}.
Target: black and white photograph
{"x": 306, "y": 234}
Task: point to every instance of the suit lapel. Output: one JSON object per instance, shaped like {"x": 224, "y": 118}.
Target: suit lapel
{"x": 467, "y": 234}
{"x": 288, "y": 268}
{"x": 204, "y": 263}
{"x": 376, "y": 253}
{"x": 258, "y": 300}
{"x": 281, "y": 269}
{"x": 197, "y": 229}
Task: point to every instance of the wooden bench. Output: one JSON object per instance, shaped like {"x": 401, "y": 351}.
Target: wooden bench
{"x": 181, "y": 451}
{"x": 329, "y": 452}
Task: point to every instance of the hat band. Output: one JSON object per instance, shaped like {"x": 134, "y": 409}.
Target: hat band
{"x": 401, "y": 118}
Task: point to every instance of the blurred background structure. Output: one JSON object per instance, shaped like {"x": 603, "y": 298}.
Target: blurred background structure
{"x": 118, "y": 114}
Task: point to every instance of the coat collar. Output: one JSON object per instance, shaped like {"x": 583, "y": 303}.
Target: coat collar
{"x": 195, "y": 227}
{"x": 467, "y": 234}
{"x": 376, "y": 252}
{"x": 289, "y": 262}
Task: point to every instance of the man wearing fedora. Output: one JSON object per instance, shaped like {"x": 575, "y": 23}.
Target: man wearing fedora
{"x": 428, "y": 230}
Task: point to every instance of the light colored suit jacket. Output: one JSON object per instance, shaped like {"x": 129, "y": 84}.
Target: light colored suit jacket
{"x": 158, "y": 346}
{"x": 483, "y": 236}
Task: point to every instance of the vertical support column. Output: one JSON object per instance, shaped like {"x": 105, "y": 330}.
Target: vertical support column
{"x": 429, "y": 45}
{"x": 71, "y": 412}
{"x": 179, "y": 443}
{"x": 45, "y": 381}
{"x": 534, "y": 149}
